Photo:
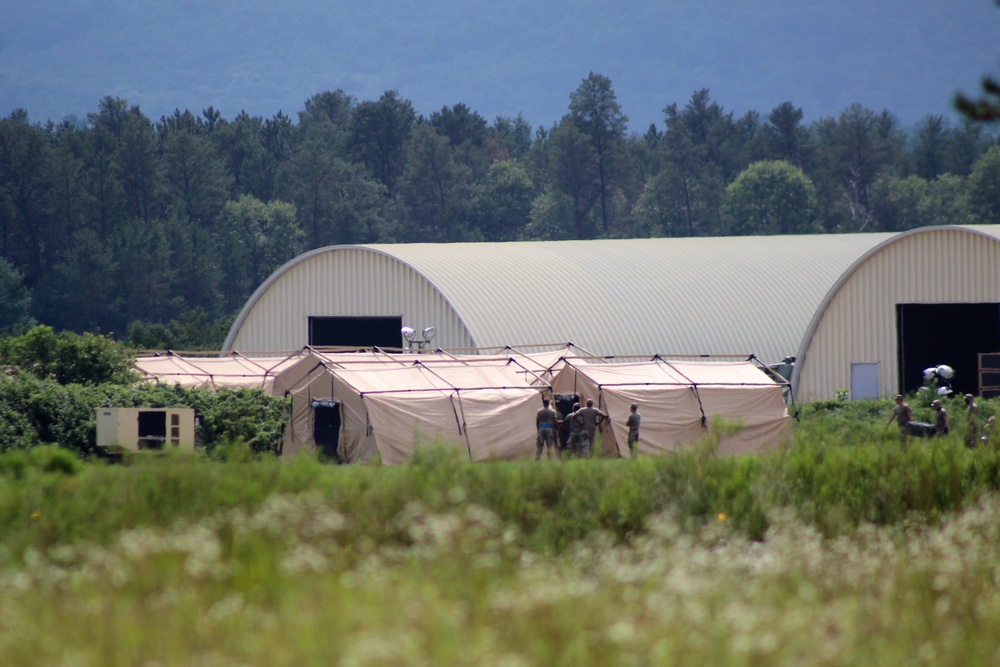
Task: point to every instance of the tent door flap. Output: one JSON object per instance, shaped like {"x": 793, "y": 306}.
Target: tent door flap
{"x": 326, "y": 429}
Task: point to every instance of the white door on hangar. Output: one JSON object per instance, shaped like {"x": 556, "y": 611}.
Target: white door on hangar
{"x": 864, "y": 381}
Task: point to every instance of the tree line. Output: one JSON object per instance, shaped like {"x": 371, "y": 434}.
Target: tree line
{"x": 158, "y": 231}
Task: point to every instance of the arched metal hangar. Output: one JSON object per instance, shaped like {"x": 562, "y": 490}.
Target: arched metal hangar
{"x": 681, "y": 296}
{"x": 921, "y": 298}
{"x": 834, "y": 301}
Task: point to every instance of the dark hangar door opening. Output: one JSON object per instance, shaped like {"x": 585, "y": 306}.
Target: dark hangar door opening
{"x": 356, "y": 331}
{"x": 930, "y": 334}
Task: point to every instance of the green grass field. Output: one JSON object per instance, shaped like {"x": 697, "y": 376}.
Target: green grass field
{"x": 848, "y": 547}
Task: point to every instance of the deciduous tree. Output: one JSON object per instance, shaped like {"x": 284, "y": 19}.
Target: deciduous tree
{"x": 984, "y": 188}
{"x": 906, "y": 203}
{"x": 255, "y": 238}
{"x": 503, "y": 202}
{"x": 771, "y": 197}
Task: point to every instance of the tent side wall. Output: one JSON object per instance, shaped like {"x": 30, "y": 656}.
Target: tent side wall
{"x": 500, "y": 423}
{"x": 483, "y": 425}
{"x": 672, "y": 407}
{"x": 356, "y": 443}
{"x": 403, "y": 422}
{"x": 298, "y": 434}
{"x": 758, "y": 414}
{"x": 487, "y": 412}
{"x": 670, "y": 417}
{"x": 857, "y": 322}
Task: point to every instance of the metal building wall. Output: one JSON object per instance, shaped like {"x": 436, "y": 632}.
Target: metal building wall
{"x": 857, "y": 321}
{"x": 345, "y": 281}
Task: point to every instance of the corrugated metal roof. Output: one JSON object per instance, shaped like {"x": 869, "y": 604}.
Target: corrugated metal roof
{"x": 677, "y": 296}
{"x": 730, "y": 295}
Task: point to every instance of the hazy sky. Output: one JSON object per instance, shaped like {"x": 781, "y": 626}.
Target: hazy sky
{"x": 500, "y": 58}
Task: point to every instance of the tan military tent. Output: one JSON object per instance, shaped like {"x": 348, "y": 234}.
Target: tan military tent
{"x": 279, "y": 373}
{"x": 232, "y": 371}
{"x": 358, "y": 411}
{"x": 678, "y": 401}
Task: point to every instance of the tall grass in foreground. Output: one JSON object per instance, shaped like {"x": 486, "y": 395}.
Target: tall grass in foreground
{"x": 832, "y": 488}
{"x": 847, "y": 548}
{"x": 288, "y": 583}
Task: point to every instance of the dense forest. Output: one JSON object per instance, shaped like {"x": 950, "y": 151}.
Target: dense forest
{"x": 158, "y": 231}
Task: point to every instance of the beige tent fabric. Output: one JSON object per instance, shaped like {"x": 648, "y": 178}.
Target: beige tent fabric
{"x": 678, "y": 400}
{"x": 670, "y": 414}
{"x": 761, "y": 412}
{"x": 500, "y": 423}
{"x": 279, "y": 374}
{"x": 485, "y": 411}
{"x": 536, "y": 368}
{"x": 306, "y": 375}
{"x": 356, "y": 442}
{"x": 403, "y": 423}
{"x": 388, "y": 401}
{"x": 294, "y": 375}
{"x": 232, "y": 371}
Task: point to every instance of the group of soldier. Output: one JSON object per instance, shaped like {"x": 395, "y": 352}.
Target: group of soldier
{"x": 583, "y": 424}
{"x": 902, "y": 414}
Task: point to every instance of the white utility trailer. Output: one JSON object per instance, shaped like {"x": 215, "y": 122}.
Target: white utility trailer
{"x": 135, "y": 429}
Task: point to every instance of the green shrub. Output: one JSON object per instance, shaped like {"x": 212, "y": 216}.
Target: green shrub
{"x": 234, "y": 450}
{"x": 249, "y": 415}
{"x": 47, "y": 458}
{"x": 55, "y": 459}
{"x": 14, "y": 463}
{"x": 34, "y": 411}
{"x": 69, "y": 358}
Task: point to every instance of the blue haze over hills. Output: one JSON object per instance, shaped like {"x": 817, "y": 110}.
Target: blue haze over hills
{"x": 59, "y": 58}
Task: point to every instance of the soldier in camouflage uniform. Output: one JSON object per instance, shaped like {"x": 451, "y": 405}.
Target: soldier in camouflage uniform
{"x": 940, "y": 419}
{"x": 573, "y": 442}
{"x": 546, "y": 421}
{"x": 903, "y": 415}
{"x": 632, "y": 423}
{"x": 589, "y": 418}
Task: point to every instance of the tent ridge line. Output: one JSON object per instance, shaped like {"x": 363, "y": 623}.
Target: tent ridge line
{"x": 451, "y": 389}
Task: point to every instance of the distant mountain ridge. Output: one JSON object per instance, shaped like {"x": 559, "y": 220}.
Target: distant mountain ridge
{"x": 506, "y": 58}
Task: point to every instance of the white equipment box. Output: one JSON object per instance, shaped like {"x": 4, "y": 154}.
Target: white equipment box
{"x": 135, "y": 429}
